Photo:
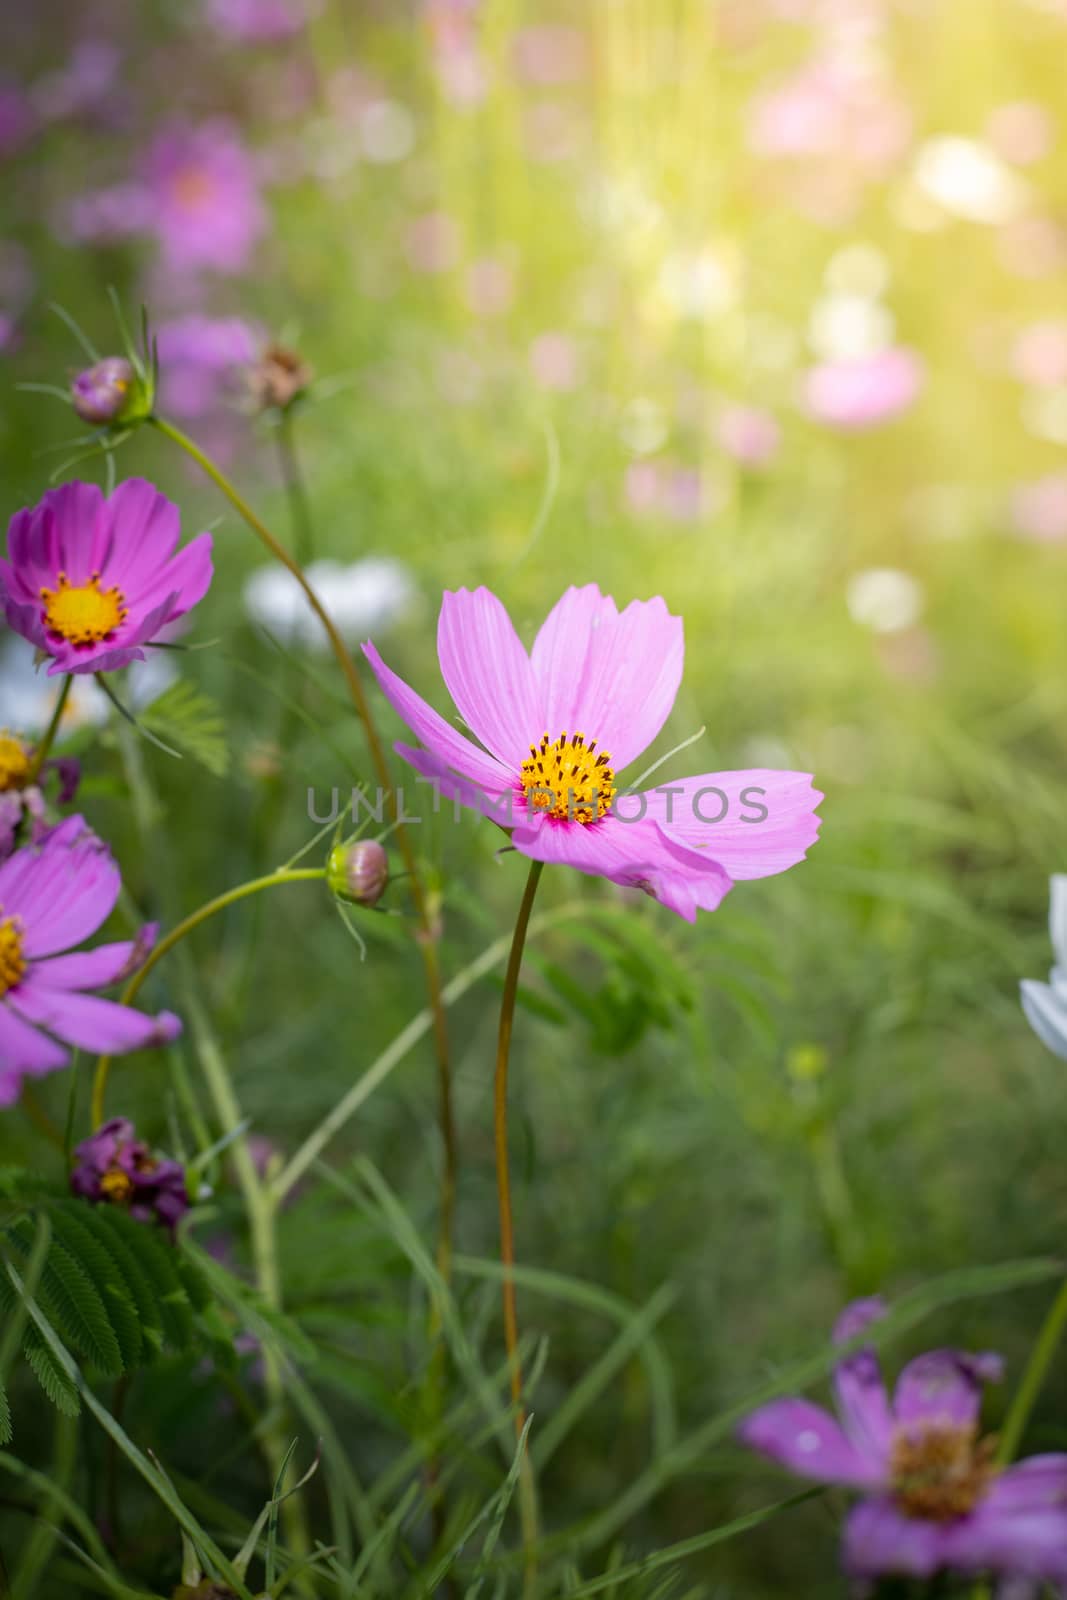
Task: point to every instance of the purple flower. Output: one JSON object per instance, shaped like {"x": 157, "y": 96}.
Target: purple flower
{"x": 53, "y": 896}
{"x": 257, "y": 21}
{"x": 103, "y": 393}
{"x": 116, "y": 1168}
{"x": 933, "y": 1498}
{"x": 200, "y": 358}
{"x": 90, "y": 581}
{"x": 556, "y": 724}
{"x": 204, "y": 198}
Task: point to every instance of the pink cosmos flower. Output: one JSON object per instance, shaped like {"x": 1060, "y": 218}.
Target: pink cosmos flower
{"x": 91, "y": 581}
{"x": 53, "y": 896}
{"x": 200, "y": 359}
{"x": 556, "y": 725}
{"x": 257, "y": 21}
{"x": 933, "y": 1499}
{"x": 863, "y": 391}
{"x": 206, "y": 209}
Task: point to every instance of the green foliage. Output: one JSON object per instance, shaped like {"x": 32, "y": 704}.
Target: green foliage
{"x": 189, "y": 719}
{"x": 119, "y": 1293}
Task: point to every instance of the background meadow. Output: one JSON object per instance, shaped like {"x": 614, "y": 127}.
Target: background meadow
{"x": 758, "y": 305}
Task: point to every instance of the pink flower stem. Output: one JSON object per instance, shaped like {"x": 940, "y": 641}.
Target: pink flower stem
{"x": 40, "y": 755}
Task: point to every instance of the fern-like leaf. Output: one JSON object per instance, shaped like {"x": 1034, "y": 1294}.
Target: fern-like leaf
{"x": 192, "y": 722}
{"x": 73, "y": 1225}
{"x": 72, "y": 1301}
{"x": 157, "y": 1260}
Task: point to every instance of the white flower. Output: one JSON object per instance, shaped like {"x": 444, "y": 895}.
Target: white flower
{"x": 967, "y": 180}
{"x": 1045, "y": 1004}
{"x": 366, "y": 597}
{"x": 884, "y": 599}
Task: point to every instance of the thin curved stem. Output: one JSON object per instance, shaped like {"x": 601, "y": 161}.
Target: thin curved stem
{"x": 40, "y": 755}
{"x": 527, "y": 1494}
{"x": 424, "y": 910}
{"x": 176, "y": 934}
{"x": 1033, "y": 1378}
{"x": 295, "y": 489}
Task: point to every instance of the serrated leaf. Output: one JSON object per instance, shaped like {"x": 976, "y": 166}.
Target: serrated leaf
{"x": 191, "y": 721}
{"x": 140, "y": 1287}
{"x": 155, "y": 1256}
{"x": 50, "y": 1375}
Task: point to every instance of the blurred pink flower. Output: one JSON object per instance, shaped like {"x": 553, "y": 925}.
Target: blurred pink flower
{"x": 257, "y": 21}
{"x": 457, "y": 58}
{"x": 1033, "y": 247}
{"x": 490, "y": 287}
{"x": 863, "y": 391}
{"x": 199, "y": 359}
{"x": 205, "y": 197}
{"x": 827, "y": 109}
{"x": 549, "y": 54}
{"x": 1039, "y": 509}
{"x": 554, "y": 361}
{"x": 1020, "y": 131}
{"x": 17, "y": 121}
{"x": 432, "y": 242}
{"x": 1039, "y": 355}
{"x": 748, "y": 435}
{"x": 86, "y": 82}
{"x": 668, "y": 489}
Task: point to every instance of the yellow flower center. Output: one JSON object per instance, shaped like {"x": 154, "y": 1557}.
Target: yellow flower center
{"x": 940, "y": 1472}
{"x": 12, "y": 961}
{"x": 82, "y": 613}
{"x": 567, "y": 779}
{"x": 116, "y": 1185}
{"x": 14, "y": 762}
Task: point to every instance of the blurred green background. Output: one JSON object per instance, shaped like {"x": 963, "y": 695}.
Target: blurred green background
{"x": 758, "y": 306}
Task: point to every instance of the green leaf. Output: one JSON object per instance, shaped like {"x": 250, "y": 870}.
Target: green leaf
{"x": 190, "y": 720}
{"x": 157, "y": 1259}
{"x": 72, "y": 1301}
{"x": 72, "y": 1227}
{"x": 50, "y": 1375}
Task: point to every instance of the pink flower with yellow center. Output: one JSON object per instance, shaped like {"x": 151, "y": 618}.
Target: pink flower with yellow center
{"x": 557, "y": 724}
{"x": 52, "y": 897}
{"x": 92, "y": 581}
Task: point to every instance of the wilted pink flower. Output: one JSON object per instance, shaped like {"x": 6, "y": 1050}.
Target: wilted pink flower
{"x": 863, "y": 391}
{"x": 204, "y": 195}
{"x": 1039, "y": 509}
{"x": 1039, "y": 355}
{"x": 257, "y": 21}
{"x": 114, "y": 1167}
{"x": 53, "y": 896}
{"x": 933, "y": 1500}
{"x": 748, "y": 435}
{"x": 599, "y": 684}
{"x": 92, "y": 581}
{"x": 554, "y": 360}
{"x": 200, "y": 358}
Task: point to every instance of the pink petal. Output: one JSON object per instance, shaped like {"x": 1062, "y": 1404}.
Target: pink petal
{"x": 89, "y": 1022}
{"x": 92, "y": 969}
{"x": 66, "y": 900}
{"x": 184, "y": 581}
{"x": 505, "y": 806}
{"x": 1030, "y": 1544}
{"x": 807, "y": 1440}
{"x": 1031, "y": 1485}
{"x": 879, "y": 1538}
{"x": 434, "y": 731}
{"x": 611, "y": 676}
{"x": 488, "y": 674}
{"x": 146, "y": 527}
{"x": 23, "y": 1051}
{"x": 943, "y": 1386}
{"x": 635, "y": 855}
{"x": 755, "y": 822}
{"x": 858, "y": 1385}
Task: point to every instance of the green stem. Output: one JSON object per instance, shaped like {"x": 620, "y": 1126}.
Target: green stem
{"x": 424, "y": 907}
{"x": 40, "y": 755}
{"x": 295, "y": 489}
{"x": 527, "y": 1493}
{"x": 195, "y": 918}
{"x": 1033, "y": 1378}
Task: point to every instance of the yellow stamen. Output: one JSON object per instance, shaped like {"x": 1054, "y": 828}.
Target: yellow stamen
{"x": 940, "y": 1472}
{"x": 14, "y": 762}
{"x": 568, "y": 780}
{"x": 82, "y": 613}
{"x": 116, "y": 1185}
{"x": 12, "y": 961}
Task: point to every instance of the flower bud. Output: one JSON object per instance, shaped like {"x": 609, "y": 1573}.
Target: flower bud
{"x": 358, "y": 871}
{"x": 279, "y": 378}
{"x": 109, "y": 392}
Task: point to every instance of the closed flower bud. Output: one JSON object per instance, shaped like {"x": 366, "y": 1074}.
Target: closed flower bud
{"x": 110, "y": 393}
{"x": 358, "y": 871}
